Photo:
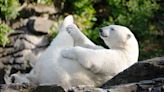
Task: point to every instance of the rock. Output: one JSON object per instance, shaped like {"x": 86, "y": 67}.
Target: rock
{"x": 16, "y": 88}
{"x": 29, "y": 41}
{"x": 39, "y": 8}
{"x": 36, "y": 10}
{"x": 18, "y": 24}
{"x": 22, "y": 53}
{"x": 23, "y": 44}
{"x": 38, "y": 41}
{"x": 85, "y": 88}
{"x": 39, "y": 25}
{"x": 30, "y": 88}
{"x": 143, "y": 70}
{"x": 2, "y": 73}
{"x": 5, "y": 51}
{"x": 154, "y": 85}
{"x": 52, "y": 88}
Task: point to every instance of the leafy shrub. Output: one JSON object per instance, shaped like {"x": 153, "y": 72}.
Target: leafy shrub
{"x": 53, "y": 31}
{"x": 4, "y": 31}
{"x": 9, "y": 9}
{"x": 83, "y": 12}
{"x": 134, "y": 14}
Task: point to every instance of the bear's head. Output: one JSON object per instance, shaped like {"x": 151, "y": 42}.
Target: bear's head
{"x": 116, "y": 36}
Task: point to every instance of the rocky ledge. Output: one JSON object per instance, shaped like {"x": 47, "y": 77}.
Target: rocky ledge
{"x": 154, "y": 85}
{"x": 144, "y": 76}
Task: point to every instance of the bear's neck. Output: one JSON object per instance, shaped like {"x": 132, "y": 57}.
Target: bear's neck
{"x": 130, "y": 50}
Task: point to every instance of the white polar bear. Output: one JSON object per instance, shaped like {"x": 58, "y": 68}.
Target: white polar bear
{"x": 66, "y": 65}
{"x": 52, "y": 68}
{"x": 123, "y": 51}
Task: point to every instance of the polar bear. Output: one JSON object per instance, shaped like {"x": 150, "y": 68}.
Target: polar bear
{"x": 72, "y": 59}
{"x": 51, "y": 68}
{"x": 123, "y": 51}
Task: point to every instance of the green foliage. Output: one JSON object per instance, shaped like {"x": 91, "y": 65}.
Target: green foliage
{"x": 9, "y": 9}
{"x": 4, "y": 31}
{"x": 53, "y": 31}
{"x": 83, "y": 12}
{"x": 134, "y": 14}
{"x": 52, "y": 34}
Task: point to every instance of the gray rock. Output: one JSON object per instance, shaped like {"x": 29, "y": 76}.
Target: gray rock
{"x": 53, "y": 88}
{"x": 39, "y": 25}
{"x": 5, "y": 51}
{"x": 30, "y": 88}
{"x": 143, "y": 70}
{"x": 154, "y": 85}
{"x": 30, "y": 41}
{"x": 19, "y": 24}
{"x": 41, "y": 8}
{"x": 22, "y": 54}
{"x": 2, "y": 74}
{"x": 42, "y": 25}
{"x": 23, "y": 44}
{"x": 86, "y": 88}
{"x": 16, "y": 88}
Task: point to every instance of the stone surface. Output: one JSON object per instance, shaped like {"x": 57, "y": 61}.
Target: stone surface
{"x": 2, "y": 73}
{"x": 16, "y": 88}
{"x": 143, "y": 70}
{"x": 22, "y": 54}
{"x": 19, "y": 23}
{"x": 39, "y": 25}
{"x": 49, "y": 89}
{"x": 154, "y": 85}
{"x": 28, "y": 41}
{"x": 41, "y": 8}
{"x": 85, "y": 88}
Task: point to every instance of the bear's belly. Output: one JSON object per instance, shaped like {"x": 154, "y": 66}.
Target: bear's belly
{"x": 61, "y": 71}
{"x": 74, "y": 73}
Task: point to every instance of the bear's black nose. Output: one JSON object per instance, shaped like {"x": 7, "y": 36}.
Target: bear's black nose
{"x": 101, "y": 30}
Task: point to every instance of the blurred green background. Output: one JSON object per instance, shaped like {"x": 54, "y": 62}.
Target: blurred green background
{"x": 145, "y": 18}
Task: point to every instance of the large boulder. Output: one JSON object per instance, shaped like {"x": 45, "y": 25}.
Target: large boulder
{"x": 2, "y": 73}
{"x": 154, "y": 85}
{"x": 39, "y": 25}
{"x": 143, "y": 70}
{"x": 22, "y": 54}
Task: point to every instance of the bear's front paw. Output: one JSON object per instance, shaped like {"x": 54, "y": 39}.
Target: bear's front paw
{"x": 74, "y": 32}
{"x": 68, "y": 53}
{"x": 72, "y": 28}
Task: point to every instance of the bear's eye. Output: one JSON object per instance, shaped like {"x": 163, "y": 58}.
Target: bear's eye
{"x": 128, "y": 36}
{"x": 112, "y": 29}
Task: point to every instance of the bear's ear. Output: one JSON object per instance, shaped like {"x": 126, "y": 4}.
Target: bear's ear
{"x": 128, "y": 36}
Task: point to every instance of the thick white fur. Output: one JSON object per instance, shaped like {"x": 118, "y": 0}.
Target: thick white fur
{"x": 85, "y": 65}
{"x": 123, "y": 51}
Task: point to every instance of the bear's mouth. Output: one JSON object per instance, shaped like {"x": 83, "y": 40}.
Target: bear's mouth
{"x": 103, "y": 35}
